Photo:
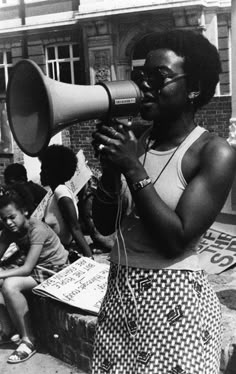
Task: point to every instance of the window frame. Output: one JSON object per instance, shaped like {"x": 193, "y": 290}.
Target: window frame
{"x": 5, "y": 65}
{"x": 57, "y": 60}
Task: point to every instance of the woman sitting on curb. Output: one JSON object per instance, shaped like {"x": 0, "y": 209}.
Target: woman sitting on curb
{"x": 44, "y": 255}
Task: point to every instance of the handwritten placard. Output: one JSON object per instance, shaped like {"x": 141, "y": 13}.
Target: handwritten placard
{"x": 82, "y": 284}
{"x": 40, "y": 210}
{"x": 82, "y": 174}
{"x": 13, "y": 248}
{"x": 217, "y": 251}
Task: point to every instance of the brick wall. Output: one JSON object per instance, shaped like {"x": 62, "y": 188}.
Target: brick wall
{"x": 81, "y": 137}
{"x": 216, "y": 115}
{"x": 64, "y": 331}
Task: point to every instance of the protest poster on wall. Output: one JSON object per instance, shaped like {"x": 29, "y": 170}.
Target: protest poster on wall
{"x": 217, "y": 251}
{"x": 82, "y": 284}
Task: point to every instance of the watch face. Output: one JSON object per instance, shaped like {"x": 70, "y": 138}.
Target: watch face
{"x": 141, "y": 184}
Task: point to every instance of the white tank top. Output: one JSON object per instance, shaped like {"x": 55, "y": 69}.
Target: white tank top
{"x": 53, "y": 216}
{"x": 141, "y": 250}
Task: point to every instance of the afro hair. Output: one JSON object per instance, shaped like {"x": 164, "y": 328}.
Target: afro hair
{"x": 60, "y": 162}
{"x": 201, "y": 60}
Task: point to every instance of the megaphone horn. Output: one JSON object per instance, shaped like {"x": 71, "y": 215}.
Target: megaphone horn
{"x": 39, "y": 107}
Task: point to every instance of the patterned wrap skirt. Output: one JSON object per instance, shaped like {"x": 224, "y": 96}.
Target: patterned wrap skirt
{"x": 158, "y": 322}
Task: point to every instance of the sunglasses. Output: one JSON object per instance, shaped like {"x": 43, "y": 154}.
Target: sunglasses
{"x": 155, "y": 77}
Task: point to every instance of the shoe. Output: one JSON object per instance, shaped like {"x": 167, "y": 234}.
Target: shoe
{"x": 22, "y": 353}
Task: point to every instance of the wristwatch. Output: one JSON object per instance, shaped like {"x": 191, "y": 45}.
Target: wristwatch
{"x": 141, "y": 184}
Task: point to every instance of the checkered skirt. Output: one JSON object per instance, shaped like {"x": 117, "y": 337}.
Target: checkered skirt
{"x": 158, "y": 322}
{"x": 40, "y": 273}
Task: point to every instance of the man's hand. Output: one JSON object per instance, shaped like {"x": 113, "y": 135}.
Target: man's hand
{"x": 119, "y": 147}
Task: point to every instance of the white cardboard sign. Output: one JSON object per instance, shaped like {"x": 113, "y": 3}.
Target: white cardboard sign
{"x": 82, "y": 284}
{"x": 217, "y": 251}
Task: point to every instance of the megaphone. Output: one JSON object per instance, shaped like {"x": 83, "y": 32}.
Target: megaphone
{"x": 39, "y": 107}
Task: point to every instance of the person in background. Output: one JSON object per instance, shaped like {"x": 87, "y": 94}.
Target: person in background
{"x": 58, "y": 165}
{"x": 160, "y": 314}
{"x": 17, "y": 173}
{"x": 14, "y": 256}
{"x": 44, "y": 255}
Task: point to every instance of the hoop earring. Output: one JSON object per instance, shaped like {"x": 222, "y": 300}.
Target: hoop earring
{"x": 193, "y": 95}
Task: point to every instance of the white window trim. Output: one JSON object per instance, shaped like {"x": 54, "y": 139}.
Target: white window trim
{"x": 56, "y": 61}
{"x": 5, "y": 65}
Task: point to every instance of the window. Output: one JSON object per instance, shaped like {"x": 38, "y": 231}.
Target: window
{"x": 5, "y": 69}
{"x": 63, "y": 63}
{"x": 5, "y": 134}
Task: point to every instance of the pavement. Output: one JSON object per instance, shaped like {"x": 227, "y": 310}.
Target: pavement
{"x": 40, "y": 363}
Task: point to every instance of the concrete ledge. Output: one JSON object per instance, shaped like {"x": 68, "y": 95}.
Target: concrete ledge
{"x": 68, "y": 333}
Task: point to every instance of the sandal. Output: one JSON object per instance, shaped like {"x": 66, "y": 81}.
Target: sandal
{"x": 23, "y": 352}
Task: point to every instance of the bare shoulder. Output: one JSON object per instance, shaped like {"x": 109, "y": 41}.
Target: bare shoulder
{"x": 218, "y": 153}
{"x": 215, "y": 146}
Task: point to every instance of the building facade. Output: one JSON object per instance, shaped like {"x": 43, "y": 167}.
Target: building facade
{"x": 83, "y": 42}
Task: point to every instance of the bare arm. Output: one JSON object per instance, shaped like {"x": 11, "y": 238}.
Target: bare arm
{"x": 198, "y": 206}
{"x": 26, "y": 269}
{"x": 68, "y": 212}
{"x": 111, "y": 192}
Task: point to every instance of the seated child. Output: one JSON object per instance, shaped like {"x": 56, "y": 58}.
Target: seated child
{"x": 42, "y": 249}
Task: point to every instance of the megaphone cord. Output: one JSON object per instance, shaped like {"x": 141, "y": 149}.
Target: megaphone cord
{"x": 120, "y": 235}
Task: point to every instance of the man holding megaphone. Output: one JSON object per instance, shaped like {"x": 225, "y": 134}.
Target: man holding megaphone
{"x": 159, "y": 314}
